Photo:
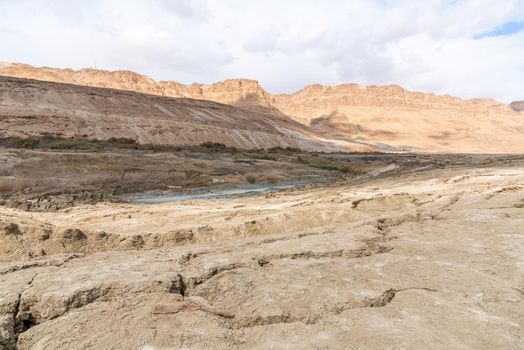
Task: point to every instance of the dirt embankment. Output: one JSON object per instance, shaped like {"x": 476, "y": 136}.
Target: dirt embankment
{"x": 30, "y": 108}
{"x": 49, "y": 173}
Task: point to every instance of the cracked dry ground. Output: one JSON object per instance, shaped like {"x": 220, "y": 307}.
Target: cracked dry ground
{"x": 434, "y": 260}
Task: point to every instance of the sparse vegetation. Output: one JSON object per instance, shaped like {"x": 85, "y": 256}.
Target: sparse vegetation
{"x": 262, "y": 155}
{"x": 214, "y": 147}
{"x": 316, "y": 161}
{"x": 10, "y": 184}
{"x": 286, "y": 150}
{"x": 83, "y": 162}
{"x": 56, "y": 142}
{"x": 74, "y": 145}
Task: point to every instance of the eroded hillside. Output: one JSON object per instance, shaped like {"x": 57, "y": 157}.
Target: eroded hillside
{"x": 388, "y": 117}
{"x": 31, "y": 107}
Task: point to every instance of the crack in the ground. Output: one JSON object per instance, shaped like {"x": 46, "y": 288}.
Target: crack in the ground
{"x": 186, "y": 258}
{"x": 309, "y": 319}
{"x": 372, "y": 247}
{"x": 368, "y": 250}
{"x": 13, "y": 343}
{"x": 454, "y": 199}
{"x": 24, "y": 319}
{"x": 381, "y": 300}
{"x": 20, "y": 325}
{"x": 178, "y": 286}
{"x": 384, "y": 225}
{"x": 189, "y": 283}
{"x": 191, "y": 304}
{"x": 36, "y": 264}
{"x": 266, "y": 321}
{"x": 372, "y": 244}
{"x": 285, "y": 238}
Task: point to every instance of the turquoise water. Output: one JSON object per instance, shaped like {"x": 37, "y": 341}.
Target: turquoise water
{"x": 215, "y": 193}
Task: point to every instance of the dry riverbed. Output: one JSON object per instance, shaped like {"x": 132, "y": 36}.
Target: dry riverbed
{"x": 407, "y": 259}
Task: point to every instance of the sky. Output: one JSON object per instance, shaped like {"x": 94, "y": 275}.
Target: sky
{"x": 464, "y": 48}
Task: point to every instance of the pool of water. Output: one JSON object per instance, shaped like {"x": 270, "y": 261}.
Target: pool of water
{"x": 155, "y": 197}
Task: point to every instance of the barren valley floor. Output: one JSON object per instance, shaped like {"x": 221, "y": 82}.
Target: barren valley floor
{"x": 402, "y": 258}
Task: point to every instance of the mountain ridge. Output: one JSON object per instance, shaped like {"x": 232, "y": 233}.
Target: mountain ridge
{"x": 22, "y": 70}
{"x": 389, "y": 115}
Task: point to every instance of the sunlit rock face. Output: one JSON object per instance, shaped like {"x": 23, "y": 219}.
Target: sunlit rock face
{"x": 388, "y": 118}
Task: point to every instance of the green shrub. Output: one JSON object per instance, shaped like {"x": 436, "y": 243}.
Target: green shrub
{"x": 122, "y": 141}
{"x": 263, "y": 156}
{"x": 324, "y": 163}
{"x": 74, "y": 145}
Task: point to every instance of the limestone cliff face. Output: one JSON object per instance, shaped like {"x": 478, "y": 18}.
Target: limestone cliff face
{"x": 122, "y": 80}
{"x": 389, "y": 118}
{"x": 407, "y": 120}
{"x": 239, "y": 92}
{"x": 242, "y": 93}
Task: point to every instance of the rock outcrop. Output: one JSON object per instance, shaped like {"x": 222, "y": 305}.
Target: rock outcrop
{"x": 517, "y": 106}
{"x": 239, "y": 92}
{"x": 389, "y": 118}
{"x": 407, "y": 120}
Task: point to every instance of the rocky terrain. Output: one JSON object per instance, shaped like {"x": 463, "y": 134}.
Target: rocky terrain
{"x": 405, "y": 249}
{"x": 389, "y": 118}
{"x": 31, "y": 107}
{"x": 517, "y": 106}
{"x": 421, "y": 258}
{"x": 407, "y": 120}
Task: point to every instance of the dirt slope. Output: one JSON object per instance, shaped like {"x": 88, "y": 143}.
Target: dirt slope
{"x": 387, "y": 116}
{"x": 31, "y": 107}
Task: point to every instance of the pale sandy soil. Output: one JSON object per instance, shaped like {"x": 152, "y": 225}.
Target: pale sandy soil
{"x": 430, "y": 260}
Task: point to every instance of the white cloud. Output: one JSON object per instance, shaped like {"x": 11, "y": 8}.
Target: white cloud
{"x": 422, "y": 45}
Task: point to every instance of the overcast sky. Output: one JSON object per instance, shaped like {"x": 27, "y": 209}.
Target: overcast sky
{"x": 464, "y": 48}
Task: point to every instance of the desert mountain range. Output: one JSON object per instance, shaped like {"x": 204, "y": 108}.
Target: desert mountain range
{"x": 387, "y": 118}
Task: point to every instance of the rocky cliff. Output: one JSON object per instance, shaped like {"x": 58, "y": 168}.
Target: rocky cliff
{"x": 407, "y": 120}
{"x": 388, "y": 117}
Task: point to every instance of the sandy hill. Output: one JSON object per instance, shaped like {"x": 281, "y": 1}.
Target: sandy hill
{"x": 388, "y": 117}
{"x": 31, "y": 107}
